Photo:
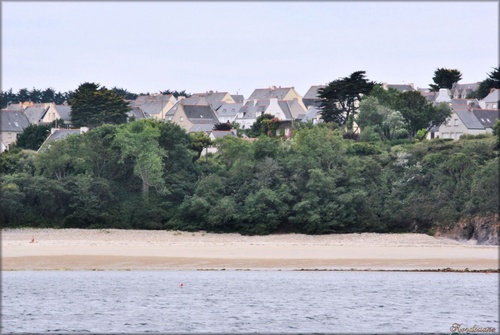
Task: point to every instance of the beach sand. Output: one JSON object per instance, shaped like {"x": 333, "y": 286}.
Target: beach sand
{"x": 112, "y": 249}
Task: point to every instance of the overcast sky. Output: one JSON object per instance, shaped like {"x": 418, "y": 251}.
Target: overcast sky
{"x": 240, "y": 46}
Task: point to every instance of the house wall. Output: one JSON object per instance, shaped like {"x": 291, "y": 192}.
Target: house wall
{"x": 52, "y": 114}
{"x": 7, "y": 138}
{"x": 454, "y": 128}
{"x": 180, "y": 119}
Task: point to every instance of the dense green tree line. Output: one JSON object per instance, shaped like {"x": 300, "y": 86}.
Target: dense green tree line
{"x": 148, "y": 175}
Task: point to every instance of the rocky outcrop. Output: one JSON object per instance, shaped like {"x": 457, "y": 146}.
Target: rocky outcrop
{"x": 484, "y": 230}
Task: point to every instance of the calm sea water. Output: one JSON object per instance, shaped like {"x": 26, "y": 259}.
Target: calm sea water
{"x": 246, "y": 301}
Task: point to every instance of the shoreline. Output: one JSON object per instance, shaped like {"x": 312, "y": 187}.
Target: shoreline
{"x": 128, "y": 250}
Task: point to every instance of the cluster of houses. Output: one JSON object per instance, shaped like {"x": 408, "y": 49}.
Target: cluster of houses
{"x": 201, "y": 111}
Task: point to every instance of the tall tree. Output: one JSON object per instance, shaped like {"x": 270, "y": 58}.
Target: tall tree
{"x": 33, "y": 137}
{"x": 419, "y": 113}
{"x": 341, "y": 97}
{"x": 92, "y": 106}
{"x": 445, "y": 78}
{"x": 139, "y": 141}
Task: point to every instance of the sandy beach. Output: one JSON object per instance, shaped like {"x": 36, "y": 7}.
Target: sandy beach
{"x": 111, "y": 249}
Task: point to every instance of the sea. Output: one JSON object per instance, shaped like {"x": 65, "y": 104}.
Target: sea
{"x": 244, "y": 302}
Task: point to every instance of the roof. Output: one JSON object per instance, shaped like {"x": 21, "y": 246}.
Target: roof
{"x": 15, "y": 106}
{"x": 465, "y": 102}
{"x": 13, "y": 121}
{"x": 468, "y": 87}
{"x": 493, "y": 96}
{"x": 228, "y": 110}
{"x": 469, "y": 119}
{"x": 401, "y": 87}
{"x": 151, "y": 104}
{"x": 238, "y": 98}
{"x": 59, "y": 134}
{"x": 35, "y": 113}
{"x": 222, "y": 133}
{"x": 64, "y": 111}
{"x": 201, "y": 127}
{"x": 487, "y": 117}
{"x": 200, "y": 114}
{"x": 136, "y": 113}
{"x": 312, "y": 113}
{"x": 268, "y": 93}
{"x": 286, "y": 109}
{"x": 312, "y": 93}
{"x": 215, "y": 99}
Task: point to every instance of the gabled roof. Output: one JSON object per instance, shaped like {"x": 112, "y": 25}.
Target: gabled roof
{"x": 401, "y": 87}
{"x": 151, "y": 104}
{"x": 268, "y": 93}
{"x": 493, "y": 96}
{"x": 238, "y": 98}
{"x": 214, "y": 99}
{"x": 59, "y": 134}
{"x": 468, "y": 87}
{"x": 136, "y": 113}
{"x": 312, "y": 93}
{"x": 487, "y": 117}
{"x": 35, "y": 113}
{"x": 64, "y": 111}
{"x": 201, "y": 127}
{"x": 465, "y": 102}
{"x": 200, "y": 114}
{"x": 14, "y": 107}
{"x": 13, "y": 121}
{"x": 222, "y": 133}
{"x": 312, "y": 113}
{"x": 229, "y": 110}
{"x": 468, "y": 119}
{"x": 286, "y": 109}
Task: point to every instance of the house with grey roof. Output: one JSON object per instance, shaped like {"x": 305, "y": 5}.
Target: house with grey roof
{"x": 57, "y": 134}
{"x": 214, "y": 99}
{"x": 491, "y": 100}
{"x": 465, "y": 119}
{"x": 227, "y": 112}
{"x": 460, "y": 91}
{"x": 12, "y": 123}
{"x": 192, "y": 118}
{"x": 252, "y": 109}
{"x": 313, "y": 115}
{"x": 311, "y": 97}
{"x": 153, "y": 106}
{"x": 57, "y": 112}
{"x": 35, "y": 113}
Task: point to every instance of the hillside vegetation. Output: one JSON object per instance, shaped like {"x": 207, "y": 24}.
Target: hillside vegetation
{"x": 147, "y": 175}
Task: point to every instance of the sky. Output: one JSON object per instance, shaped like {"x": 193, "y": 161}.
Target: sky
{"x": 236, "y": 47}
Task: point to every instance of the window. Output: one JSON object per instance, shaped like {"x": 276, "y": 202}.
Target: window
{"x": 448, "y": 122}
{"x": 9, "y": 135}
{"x": 182, "y": 119}
{"x": 455, "y": 122}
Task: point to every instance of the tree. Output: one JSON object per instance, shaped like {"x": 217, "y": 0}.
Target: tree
{"x": 199, "y": 141}
{"x": 493, "y": 81}
{"x": 139, "y": 141}
{"x": 124, "y": 93}
{"x": 176, "y": 94}
{"x": 33, "y": 136}
{"x": 419, "y": 113}
{"x": 258, "y": 128}
{"x": 341, "y": 97}
{"x": 92, "y": 106}
{"x": 445, "y": 78}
